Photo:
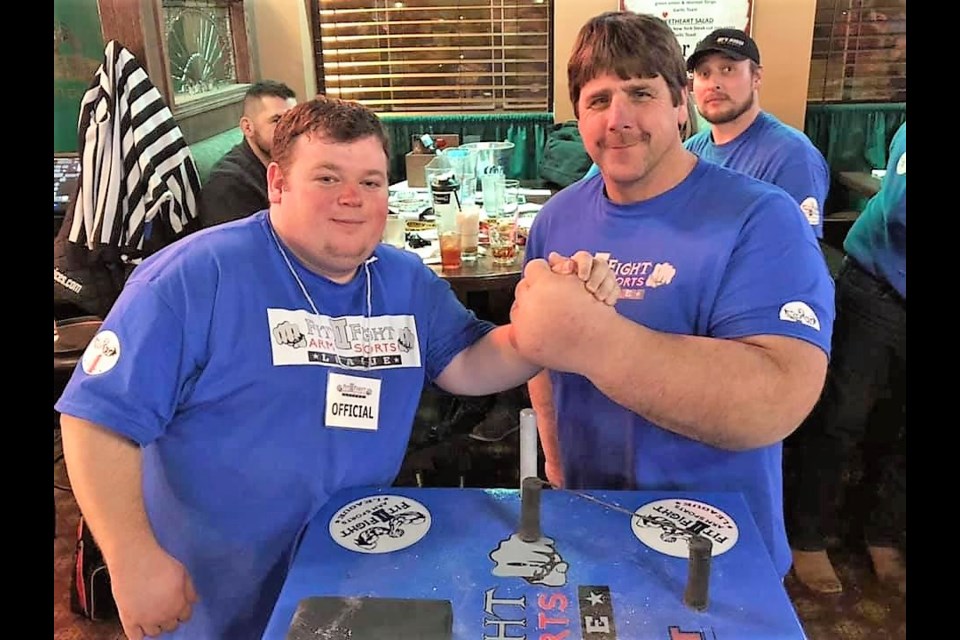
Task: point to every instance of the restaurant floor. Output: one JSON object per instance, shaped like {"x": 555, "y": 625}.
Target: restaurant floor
{"x": 863, "y": 611}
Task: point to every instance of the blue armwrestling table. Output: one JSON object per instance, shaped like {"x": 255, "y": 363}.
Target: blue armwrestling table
{"x": 608, "y": 565}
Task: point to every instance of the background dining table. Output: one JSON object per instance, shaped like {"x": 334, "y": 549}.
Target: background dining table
{"x": 861, "y": 182}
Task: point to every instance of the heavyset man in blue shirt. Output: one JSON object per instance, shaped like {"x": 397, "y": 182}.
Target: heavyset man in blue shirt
{"x": 726, "y": 82}
{"x": 250, "y": 371}
{"x": 718, "y": 347}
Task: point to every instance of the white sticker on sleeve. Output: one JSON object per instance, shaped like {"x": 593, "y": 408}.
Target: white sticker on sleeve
{"x": 101, "y": 354}
{"x": 811, "y": 210}
{"x": 801, "y": 312}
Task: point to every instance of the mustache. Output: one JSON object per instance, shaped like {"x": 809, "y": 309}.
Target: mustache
{"x": 624, "y": 139}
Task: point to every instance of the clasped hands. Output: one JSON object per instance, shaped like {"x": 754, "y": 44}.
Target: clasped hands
{"x": 560, "y": 306}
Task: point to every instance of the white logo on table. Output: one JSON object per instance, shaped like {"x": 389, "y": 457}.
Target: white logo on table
{"x": 667, "y": 526}
{"x": 536, "y": 562}
{"x": 380, "y": 524}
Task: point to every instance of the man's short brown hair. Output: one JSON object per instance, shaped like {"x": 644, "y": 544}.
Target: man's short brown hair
{"x": 629, "y": 45}
{"x": 329, "y": 118}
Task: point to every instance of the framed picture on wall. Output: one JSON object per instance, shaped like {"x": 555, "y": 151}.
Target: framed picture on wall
{"x": 691, "y": 20}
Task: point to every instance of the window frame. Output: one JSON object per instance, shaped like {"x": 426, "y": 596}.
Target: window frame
{"x": 139, "y": 26}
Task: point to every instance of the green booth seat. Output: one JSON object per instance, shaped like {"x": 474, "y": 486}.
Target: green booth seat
{"x": 527, "y": 131}
{"x": 208, "y": 151}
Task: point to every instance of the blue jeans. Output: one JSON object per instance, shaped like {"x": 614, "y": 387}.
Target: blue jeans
{"x": 862, "y": 408}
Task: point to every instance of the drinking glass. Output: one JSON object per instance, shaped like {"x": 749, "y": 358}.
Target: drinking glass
{"x": 493, "y": 185}
{"x": 511, "y": 195}
{"x": 468, "y": 224}
{"x": 450, "y": 249}
{"x": 394, "y": 232}
{"x": 503, "y": 247}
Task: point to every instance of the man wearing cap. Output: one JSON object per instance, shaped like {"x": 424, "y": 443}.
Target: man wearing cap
{"x": 726, "y": 83}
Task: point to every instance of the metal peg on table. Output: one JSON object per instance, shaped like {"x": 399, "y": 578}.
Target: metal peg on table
{"x": 530, "y": 509}
{"x": 697, "y": 592}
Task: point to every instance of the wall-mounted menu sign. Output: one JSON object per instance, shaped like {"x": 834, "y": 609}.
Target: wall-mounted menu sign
{"x": 691, "y": 20}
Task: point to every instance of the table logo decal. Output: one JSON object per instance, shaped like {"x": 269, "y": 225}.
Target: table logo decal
{"x": 677, "y": 634}
{"x": 667, "y": 526}
{"x": 380, "y": 524}
{"x": 507, "y": 616}
{"x": 596, "y": 613}
{"x": 536, "y": 562}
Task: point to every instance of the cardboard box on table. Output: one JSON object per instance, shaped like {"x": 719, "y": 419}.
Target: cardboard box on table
{"x": 417, "y": 161}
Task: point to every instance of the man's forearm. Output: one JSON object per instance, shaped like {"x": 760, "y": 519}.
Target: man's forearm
{"x": 105, "y": 473}
{"x": 489, "y": 365}
{"x": 541, "y": 398}
{"x": 731, "y": 394}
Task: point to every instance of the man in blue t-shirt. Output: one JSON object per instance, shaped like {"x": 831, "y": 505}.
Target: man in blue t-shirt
{"x": 718, "y": 346}
{"x": 251, "y": 370}
{"x": 868, "y": 370}
{"x": 726, "y": 83}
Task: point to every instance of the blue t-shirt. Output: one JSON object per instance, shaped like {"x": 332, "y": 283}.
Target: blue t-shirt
{"x": 878, "y": 239}
{"x": 774, "y": 152}
{"x": 720, "y": 255}
{"x": 217, "y": 366}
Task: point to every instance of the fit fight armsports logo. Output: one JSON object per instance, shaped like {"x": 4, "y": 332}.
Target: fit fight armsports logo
{"x": 380, "y": 524}
{"x": 811, "y": 210}
{"x": 352, "y": 390}
{"x": 349, "y": 342}
{"x": 635, "y": 278}
{"x": 536, "y": 562}
{"x": 667, "y": 526}
{"x": 801, "y": 312}
{"x": 101, "y": 354}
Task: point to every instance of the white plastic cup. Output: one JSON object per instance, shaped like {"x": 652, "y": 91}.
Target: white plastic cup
{"x": 468, "y": 224}
{"x": 394, "y": 232}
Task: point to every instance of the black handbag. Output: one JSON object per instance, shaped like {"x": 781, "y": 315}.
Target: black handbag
{"x": 90, "y": 592}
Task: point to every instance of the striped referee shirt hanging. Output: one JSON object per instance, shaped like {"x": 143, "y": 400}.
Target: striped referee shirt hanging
{"x": 137, "y": 172}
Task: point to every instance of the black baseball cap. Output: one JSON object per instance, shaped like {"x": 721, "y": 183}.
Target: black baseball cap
{"x": 730, "y": 42}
